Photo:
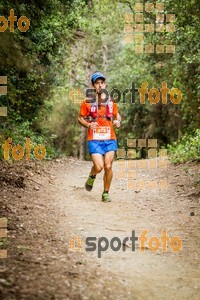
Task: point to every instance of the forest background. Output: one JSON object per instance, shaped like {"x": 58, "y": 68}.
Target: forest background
{"x": 66, "y": 42}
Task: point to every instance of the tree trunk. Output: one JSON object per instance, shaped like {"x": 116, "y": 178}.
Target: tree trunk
{"x": 83, "y": 135}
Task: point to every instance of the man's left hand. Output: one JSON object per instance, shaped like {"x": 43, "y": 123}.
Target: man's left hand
{"x": 117, "y": 123}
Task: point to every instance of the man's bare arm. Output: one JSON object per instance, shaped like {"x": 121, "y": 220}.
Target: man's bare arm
{"x": 82, "y": 122}
{"x": 117, "y": 120}
{"x": 85, "y": 124}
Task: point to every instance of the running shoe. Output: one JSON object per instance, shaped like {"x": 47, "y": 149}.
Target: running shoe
{"x": 89, "y": 183}
{"x": 106, "y": 197}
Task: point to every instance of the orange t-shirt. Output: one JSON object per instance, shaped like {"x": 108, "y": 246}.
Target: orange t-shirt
{"x": 103, "y": 122}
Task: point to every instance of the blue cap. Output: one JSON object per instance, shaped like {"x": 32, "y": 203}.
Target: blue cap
{"x": 96, "y": 76}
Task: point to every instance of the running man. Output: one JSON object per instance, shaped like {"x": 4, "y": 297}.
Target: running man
{"x": 99, "y": 115}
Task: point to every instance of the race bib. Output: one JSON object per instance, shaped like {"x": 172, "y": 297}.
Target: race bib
{"x": 101, "y": 133}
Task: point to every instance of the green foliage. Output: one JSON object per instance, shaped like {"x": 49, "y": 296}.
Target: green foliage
{"x": 62, "y": 123}
{"x": 187, "y": 148}
{"x": 32, "y": 60}
{"x": 67, "y": 41}
{"x": 35, "y": 64}
{"x": 20, "y": 131}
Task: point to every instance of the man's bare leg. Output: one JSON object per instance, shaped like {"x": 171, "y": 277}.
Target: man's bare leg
{"x": 97, "y": 164}
{"x": 108, "y": 175}
{"x": 96, "y": 168}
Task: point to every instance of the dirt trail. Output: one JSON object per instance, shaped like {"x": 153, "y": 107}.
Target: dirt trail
{"x": 61, "y": 209}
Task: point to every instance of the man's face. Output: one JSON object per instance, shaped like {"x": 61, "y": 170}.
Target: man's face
{"x": 99, "y": 85}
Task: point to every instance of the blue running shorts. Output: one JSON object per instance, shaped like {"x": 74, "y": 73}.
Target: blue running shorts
{"x": 102, "y": 147}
